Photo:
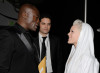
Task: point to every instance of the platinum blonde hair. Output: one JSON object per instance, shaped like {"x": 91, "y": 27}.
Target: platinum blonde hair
{"x": 78, "y": 23}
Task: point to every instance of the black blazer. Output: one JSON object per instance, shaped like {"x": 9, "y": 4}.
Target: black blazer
{"x": 56, "y": 53}
{"x": 14, "y": 55}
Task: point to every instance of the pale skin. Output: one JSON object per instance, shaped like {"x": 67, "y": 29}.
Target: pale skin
{"x": 45, "y": 25}
{"x": 73, "y": 35}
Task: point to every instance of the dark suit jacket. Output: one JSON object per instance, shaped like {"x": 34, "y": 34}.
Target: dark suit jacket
{"x": 14, "y": 55}
{"x": 56, "y": 53}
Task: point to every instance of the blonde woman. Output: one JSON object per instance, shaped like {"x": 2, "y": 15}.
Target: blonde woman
{"x": 81, "y": 58}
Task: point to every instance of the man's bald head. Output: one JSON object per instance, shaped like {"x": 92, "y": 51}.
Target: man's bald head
{"x": 26, "y": 8}
{"x": 28, "y": 17}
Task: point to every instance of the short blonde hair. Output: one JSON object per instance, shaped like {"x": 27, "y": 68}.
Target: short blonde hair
{"x": 78, "y": 22}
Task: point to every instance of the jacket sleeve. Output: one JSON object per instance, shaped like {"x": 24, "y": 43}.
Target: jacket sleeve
{"x": 6, "y": 43}
{"x": 59, "y": 57}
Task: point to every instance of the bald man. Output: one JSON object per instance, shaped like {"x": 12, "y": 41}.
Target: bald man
{"x": 18, "y": 53}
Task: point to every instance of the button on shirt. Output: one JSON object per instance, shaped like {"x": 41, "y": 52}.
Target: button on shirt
{"x": 48, "y": 54}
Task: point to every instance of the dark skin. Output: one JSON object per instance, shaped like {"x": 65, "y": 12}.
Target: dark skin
{"x": 15, "y": 56}
{"x": 28, "y": 17}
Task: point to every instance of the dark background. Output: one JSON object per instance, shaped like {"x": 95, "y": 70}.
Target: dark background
{"x": 63, "y": 13}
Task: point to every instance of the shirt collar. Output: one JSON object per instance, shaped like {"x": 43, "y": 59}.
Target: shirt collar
{"x": 20, "y": 28}
{"x": 40, "y": 36}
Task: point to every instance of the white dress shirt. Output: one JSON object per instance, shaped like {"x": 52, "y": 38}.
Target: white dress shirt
{"x": 48, "y": 53}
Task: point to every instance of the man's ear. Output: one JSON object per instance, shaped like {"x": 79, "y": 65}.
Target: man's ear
{"x": 25, "y": 15}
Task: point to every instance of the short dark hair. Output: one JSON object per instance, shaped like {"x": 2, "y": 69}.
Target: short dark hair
{"x": 45, "y": 16}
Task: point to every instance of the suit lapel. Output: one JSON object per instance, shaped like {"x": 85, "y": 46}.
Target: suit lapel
{"x": 36, "y": 41}
{"x": 51, "y": 47}
{"x": 33, "y": 48}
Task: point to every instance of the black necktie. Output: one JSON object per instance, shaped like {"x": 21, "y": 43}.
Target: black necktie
{"x": 43, "y": 54}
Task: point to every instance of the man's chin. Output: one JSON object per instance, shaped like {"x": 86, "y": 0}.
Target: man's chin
{"x": 34, "y": 29}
